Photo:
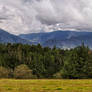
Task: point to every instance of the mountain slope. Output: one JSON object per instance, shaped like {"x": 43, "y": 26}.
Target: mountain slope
{"x": 6, "y": 37}
{"x": 62, "y": 39}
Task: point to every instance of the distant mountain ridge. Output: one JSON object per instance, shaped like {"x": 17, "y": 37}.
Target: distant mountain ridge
{"x": 6, "y": 37}
{"x": 62, "y": 39}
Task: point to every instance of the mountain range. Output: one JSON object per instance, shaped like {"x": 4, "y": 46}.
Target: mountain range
{"x": 6, "y": 37}
{"x": 59, "y": 38}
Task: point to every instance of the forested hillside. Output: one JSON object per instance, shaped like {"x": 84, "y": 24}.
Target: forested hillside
{"x": 25, "y": 62}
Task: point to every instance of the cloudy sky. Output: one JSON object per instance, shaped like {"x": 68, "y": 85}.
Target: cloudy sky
{"x": 28, "y": 16}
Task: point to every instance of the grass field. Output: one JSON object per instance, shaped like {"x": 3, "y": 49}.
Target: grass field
{"x": 9, "y": 85}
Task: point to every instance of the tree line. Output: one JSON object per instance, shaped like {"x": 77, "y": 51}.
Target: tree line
{"x": 34, "y": 61}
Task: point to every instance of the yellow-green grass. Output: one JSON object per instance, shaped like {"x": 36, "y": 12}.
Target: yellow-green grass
{"x": 10, "y": 85}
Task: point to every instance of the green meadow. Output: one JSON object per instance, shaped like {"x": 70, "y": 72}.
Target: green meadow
{"x": 45, "y": 85}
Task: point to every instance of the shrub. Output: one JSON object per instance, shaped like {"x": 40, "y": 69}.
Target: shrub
{"x": 5, "y": 73}
{"x": 23, "y": 72}
{"x": 57, "y": 75}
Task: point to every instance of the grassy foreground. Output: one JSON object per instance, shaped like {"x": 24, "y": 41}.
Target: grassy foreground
{"x": 9, "y": 85}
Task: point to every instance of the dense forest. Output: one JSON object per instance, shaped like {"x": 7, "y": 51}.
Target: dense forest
{"x": 34, "y": 61}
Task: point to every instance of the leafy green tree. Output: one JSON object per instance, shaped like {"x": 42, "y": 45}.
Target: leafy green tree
{"x": 76, "y": 63}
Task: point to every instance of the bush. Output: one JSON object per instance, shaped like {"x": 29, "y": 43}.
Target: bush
{"x": 23, "y": 72}
{"x": 5, "y": 73}
{"x": 57, "y": 75}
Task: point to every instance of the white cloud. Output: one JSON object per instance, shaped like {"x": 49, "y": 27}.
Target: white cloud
{"x": 25, "y": 16}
